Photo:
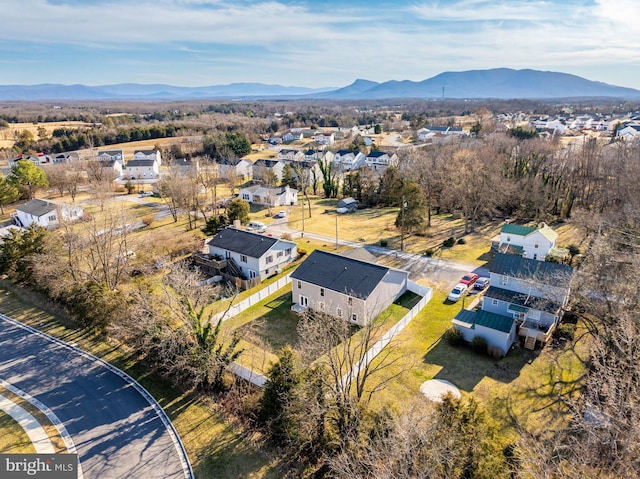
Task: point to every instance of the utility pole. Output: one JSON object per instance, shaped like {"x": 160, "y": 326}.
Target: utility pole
{"x": 402, "y": 207}
{"x": 302, "y": 208}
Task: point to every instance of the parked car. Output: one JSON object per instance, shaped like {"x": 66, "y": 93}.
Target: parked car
{"x": 281, "y": 214}
{"x": 257, "y": 227}
{"x": 457, "y": 292}
{"x": 469, "y": 279}
{"x": 481, "y": 283}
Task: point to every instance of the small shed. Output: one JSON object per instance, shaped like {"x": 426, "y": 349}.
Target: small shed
{"x": 349, "y": 203}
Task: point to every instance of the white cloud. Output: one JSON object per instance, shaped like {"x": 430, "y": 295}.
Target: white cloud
{"x": 326, "y": 46}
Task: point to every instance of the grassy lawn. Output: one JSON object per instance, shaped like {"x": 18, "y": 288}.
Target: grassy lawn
{"x": 521, "y": 388}
{"x": 13, "y": 439}
{"x": 215, "y": 446}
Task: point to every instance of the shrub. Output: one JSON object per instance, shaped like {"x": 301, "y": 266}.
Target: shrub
{"x": 567, "y": 330}
{"x": 286, "y": 236}
{"x": 479, "y": 345}
{"x": 429, "y": 252}
{"x": 449, "y": 242}
{"x": 495, "y": 352}
{"x": 453, "y": 336}
{"x": 302, "y": 252}
{"x": 462, "y": 241}
{"x": 148, "y": 219}
{"x": 384, "y": 243}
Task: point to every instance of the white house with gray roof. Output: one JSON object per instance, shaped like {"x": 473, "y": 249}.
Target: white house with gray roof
{"x": 254, "y": 255}
{"x": 45, "y": 213}
{"x": 344, "y": 287}
{"x": 148, "y": 155}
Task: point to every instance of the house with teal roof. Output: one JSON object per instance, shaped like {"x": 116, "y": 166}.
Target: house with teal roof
{"x": 526, "y": 241}
{"x": 527, "y": 299}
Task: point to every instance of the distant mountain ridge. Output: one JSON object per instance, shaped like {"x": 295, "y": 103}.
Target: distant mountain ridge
{"x": 498, "y": 83}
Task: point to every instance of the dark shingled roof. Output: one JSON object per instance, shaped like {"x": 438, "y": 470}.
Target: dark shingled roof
{"x": 337, "y": 273}
{"x": 139, "y": 163}
{"x": 243, "y": 242}
{"x": 541, "y": 271}
{"x": 486, "y": 319}
{"x": 37, "y": 207}
{"x": 523, "y": 299}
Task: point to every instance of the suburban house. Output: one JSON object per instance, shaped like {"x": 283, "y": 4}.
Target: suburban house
{"x": 379, "y": 160}
{"x": 184, "y": 167}
{"x": 45, "y": 213}
{"x": 110, "y": 155}
{"x": 141, "y": 170}
{"x": 324, "y": 138}
{"x": 432, "y": 131}
{"x": 261, "y": 167}
{"x": 629, "y": 132}
{"x": 317, "y": 155}
{"x": 244, "y": 255}
{"x": 292, "y": 135}
{"x": 235, "y": 168}
{"x": 526, "y": 298}
{"x": 269, "y": 195}
{"x": 148, "y": 155}
{"x": 290, "y": 155}
{"x": 38, "y": 159}
{"x": 345, "y": 287}
{"x": 304, "y": 165}
{"x": 62, "y": 158}
{"x": 526, "y": 241}
{"x": 112, "y": 167}
{"x": 348, "y": 160}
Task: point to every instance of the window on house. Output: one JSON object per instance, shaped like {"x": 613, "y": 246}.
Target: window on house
{"x": 52, "y": 218}
{"x": 536, "y": 244}
{"x": 243, "y": 258}
{"x": 269, "y": 259}
{"x": 321, "y": 291}
{"x": 504, "y": 279}
{"x": 350, "y": 301}
{"x": 321, "y": 306}
{"x": 339, "y": 312}
{"x": 299, "y": 285}
{"x": 354, "y": 318}
{"x": 494, "y": 302}
{"x": 508, "y": 238}
{"x": 280, "y": 254}
{"x": 288, "y": 251}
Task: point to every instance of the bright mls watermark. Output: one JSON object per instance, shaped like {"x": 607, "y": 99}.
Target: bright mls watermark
{"x": 50, "y": 466}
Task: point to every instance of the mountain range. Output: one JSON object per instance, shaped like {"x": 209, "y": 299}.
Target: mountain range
{"x": 498, "y": 83}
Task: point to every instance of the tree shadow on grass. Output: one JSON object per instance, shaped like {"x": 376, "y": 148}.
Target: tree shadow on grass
{"x": 466, "y": 369}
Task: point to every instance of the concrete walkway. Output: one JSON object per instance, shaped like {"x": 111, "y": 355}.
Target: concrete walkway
{"x": 36, "y": 433}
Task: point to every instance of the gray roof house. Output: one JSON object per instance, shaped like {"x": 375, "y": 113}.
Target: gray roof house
{"x": 345, "y": 287}
{"x": 247, "y": 256}
{"x": 526, "y": 298}
{"x": 45, "y": 213}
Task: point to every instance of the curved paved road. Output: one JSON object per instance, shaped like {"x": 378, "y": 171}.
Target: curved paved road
{"x": 117, "y": 432}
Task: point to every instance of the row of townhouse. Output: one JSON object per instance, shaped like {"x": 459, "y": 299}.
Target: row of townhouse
{"x": 343, "y": 160}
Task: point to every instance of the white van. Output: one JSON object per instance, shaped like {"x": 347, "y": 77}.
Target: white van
{"x": 257, "y": 227}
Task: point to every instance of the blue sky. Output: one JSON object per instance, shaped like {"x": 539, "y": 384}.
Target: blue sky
{"x": 312, "y": 44}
